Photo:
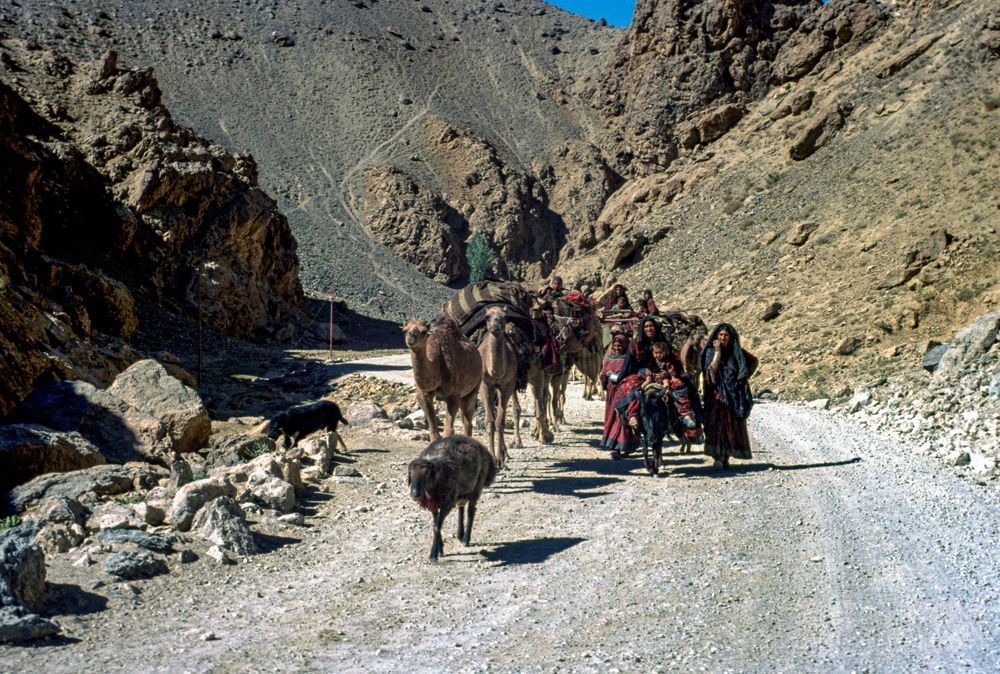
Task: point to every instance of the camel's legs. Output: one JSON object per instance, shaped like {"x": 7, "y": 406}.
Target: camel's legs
{"x": 517, "y": 420}
{"x": 426, "y": 403}
{"x": 501, "y": 424}
{"x": 469, "y": 411}
{"x": 486, "y": 393}
{"x": 452, "y": 407}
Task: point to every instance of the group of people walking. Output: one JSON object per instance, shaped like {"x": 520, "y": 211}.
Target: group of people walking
{"x": 649, "y": 363}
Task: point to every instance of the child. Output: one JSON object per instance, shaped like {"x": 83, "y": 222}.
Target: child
{"x": 666, "y": 370}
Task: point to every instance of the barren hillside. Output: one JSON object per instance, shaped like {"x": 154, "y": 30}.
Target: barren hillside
{"x": 323, "y": 93}
{"x": 848, "y": 216}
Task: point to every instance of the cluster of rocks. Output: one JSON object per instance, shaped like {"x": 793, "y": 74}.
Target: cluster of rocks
{"x": 137, "y": 519}
{"x": 954, "y": 415}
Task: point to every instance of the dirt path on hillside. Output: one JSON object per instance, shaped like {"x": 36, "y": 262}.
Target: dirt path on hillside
{"x": 828, "y": 552}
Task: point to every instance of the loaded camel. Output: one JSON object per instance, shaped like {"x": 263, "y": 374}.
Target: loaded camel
{"x": 446, "y": 366}
{"x": 499, "y": 382}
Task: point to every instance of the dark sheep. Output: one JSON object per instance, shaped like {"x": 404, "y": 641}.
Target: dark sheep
{"x": 452, "y": 471}
{"x": 302, "y": 420}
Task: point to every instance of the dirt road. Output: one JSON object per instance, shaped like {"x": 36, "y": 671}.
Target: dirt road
{"x": 829, "y": 552}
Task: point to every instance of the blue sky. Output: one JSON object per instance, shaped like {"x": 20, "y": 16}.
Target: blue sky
{"x": 617, "y": 12}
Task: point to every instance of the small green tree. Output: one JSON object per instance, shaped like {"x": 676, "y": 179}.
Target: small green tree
{"x": 480, "y": 257}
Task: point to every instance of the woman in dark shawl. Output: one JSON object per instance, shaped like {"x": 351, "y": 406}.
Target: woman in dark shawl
{"x": 727, "y": 399}
{"x": 650, "y": 333}
{"x": 618, "y": 380}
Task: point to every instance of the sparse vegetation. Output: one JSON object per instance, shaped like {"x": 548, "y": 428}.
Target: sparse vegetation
{"x": 127, "y": 499}
{"x": 200, "y": 474}
{"x": 9, "y": 522}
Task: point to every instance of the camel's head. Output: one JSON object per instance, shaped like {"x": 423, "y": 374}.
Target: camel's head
{"x": 415, "y": 333}
{"x": 496, "y": 321}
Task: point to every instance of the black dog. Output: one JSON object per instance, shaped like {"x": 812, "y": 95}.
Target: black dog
{"x": 452, "y": 471}
{"x": 299, "y": 421}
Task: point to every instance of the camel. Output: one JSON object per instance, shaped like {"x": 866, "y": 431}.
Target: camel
{"x": 691, "y": 356}
{"x": 499, "y": 382}
{"x": 579, "y": 339}
{"x": 446, "y": 366}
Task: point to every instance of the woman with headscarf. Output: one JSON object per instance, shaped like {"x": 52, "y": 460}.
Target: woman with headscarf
{"x": 618, "y": 380}
{"x": 617, "y": 299}
{"x": 650, "y": 333}
{"x": 727, "y": 399}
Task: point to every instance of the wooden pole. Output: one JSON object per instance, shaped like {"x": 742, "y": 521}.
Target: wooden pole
{"x": 198, "y": 282}
{"x": 330, "y": 354}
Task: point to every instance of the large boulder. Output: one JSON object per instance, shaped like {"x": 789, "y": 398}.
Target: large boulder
{"x": 222, "y": 522}
{"x": 967, "y": 346}
{"x": 22, "y": 584}
{"x": 122, "y": 432}
{"x": 99, "y": 480}
{"x": 27, "y": 451}
{"x": 148, "y": 387}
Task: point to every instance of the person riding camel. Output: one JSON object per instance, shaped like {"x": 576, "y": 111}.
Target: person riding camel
{"x": 553, "y": 291}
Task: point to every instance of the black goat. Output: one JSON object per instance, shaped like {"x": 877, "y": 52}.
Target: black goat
{"x": 302, "y": 420}
{"x": 452, "y": 471}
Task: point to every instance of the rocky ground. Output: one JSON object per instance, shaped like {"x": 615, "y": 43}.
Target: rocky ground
{"x": 835, "y": 549}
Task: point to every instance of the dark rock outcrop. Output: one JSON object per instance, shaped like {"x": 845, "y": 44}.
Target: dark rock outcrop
{"x": 682, "y": 57}
{"x": 839, "y": 25}
{"x": 27, "y": 451}
{"x": 120, "y": 431}
{"x": 416, "y": 223}
{"x": 100, "y": 480}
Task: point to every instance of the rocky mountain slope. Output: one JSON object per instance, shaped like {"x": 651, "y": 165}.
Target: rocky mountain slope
{"x": 352, "y": 105}
{"x": 823, "y": 175}
{"x": 109, "y": 215}
{"x": 848, "y": 215}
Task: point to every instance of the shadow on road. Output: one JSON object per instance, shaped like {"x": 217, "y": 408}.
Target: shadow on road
{"x": 574, "y": 486}
{"x": 708, "y": 470}
{"x": 601, "y": 466}
{"x": 66, "y": 599}
{"x": 534, "y": 551}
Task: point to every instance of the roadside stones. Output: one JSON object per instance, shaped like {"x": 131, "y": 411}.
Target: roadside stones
{"x": 223, "y": 523}
{"x": 364, "y": 412}
{"x": 22, "y": 583}
{"x": 271, "y": 492}
{"x": 191, "y": 497}
{"x": 131, "y": 565}
{"x": 236, "y": 449}
{"x": 142, "y": 539}
{"x": 819, "y": 404}
{"x": 969, "y": 343}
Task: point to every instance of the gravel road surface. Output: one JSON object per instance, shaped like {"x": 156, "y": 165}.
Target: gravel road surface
{"x": 829, "y": 552}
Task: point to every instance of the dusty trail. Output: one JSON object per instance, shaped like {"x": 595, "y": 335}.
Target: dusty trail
{"x": 829, "y": 552}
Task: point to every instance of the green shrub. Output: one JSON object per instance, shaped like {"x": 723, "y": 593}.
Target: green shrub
{"x": 480, "y": 256}
{"x": 126, "y": 499}
{"x": 9, "y": 522}
{"x": 200, "y": 474}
